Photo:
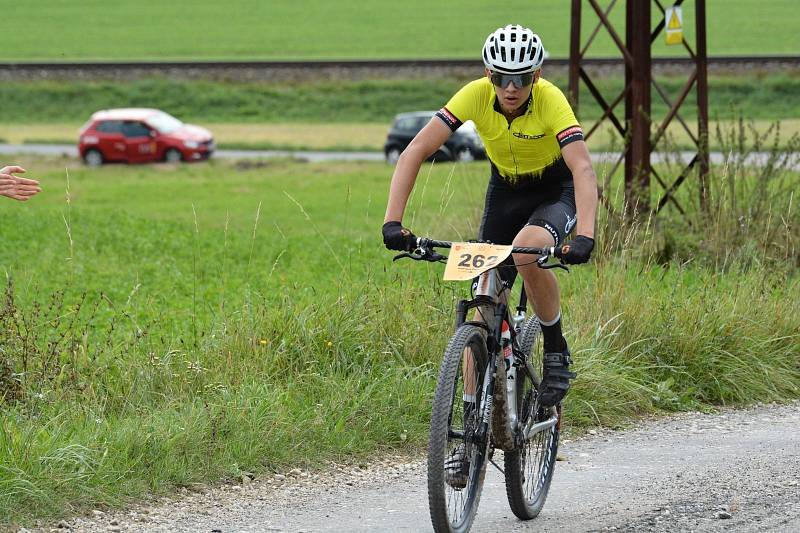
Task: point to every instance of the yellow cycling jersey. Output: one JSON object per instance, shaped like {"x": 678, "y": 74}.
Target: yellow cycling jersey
{"x": 532, "y": 142}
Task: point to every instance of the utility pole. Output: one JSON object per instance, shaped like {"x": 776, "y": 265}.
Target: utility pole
{"x": 636, "y": 129}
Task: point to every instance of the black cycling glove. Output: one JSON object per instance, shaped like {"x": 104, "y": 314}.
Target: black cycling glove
{"x": 578, "y": 250}
{"x": 396, "y": 237}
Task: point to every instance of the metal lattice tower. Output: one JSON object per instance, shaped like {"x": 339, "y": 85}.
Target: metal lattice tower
{"x": 635, "y": 129}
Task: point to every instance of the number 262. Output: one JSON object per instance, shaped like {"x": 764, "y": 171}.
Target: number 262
{"x": 476, "y": 261}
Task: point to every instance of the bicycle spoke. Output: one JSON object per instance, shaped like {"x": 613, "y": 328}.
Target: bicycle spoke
{"x": 456, "y": 459}
{"x": 529, "y": 469}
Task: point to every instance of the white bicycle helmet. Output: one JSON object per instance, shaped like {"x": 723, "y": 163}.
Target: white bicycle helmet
{"x": 513, "y": 50}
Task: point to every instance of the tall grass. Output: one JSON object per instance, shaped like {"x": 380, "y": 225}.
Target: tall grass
{"x": 749, "y": 215}
{"x": 676, "y": 338}
{"x": 195, "y": 335}
{"x": 718, "y": 286}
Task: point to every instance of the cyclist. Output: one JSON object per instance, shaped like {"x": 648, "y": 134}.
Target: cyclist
{"x": 541, "y": 183}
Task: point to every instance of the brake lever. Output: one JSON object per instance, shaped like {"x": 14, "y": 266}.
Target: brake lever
{"x": 555, "y": 265}
{"x": 408, "y": 255}
{"x": 421, "y": 254}
{"x": 542, "y": 262}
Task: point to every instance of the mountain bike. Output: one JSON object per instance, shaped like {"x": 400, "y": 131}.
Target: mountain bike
{"x": 486, "y": 394}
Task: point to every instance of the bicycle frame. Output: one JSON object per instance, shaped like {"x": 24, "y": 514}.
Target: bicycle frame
{"x": 491, "y": 300}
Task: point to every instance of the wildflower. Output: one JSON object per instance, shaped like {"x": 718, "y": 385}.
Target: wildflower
{"x": 194, "y": 366}
{"x": 263, "y": 342}
{"x": 329, "y": 344}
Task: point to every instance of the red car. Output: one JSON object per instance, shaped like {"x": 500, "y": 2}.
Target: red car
{"x": 139, "y": 135}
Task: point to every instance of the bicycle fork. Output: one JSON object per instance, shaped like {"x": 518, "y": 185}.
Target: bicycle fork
{"x": 488, "y": 401}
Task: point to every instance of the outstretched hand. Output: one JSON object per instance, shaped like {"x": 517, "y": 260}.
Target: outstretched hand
{"x": 15, "y": 187}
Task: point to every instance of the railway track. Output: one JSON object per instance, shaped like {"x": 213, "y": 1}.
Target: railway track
{"x": 357, "y": 64}
{"x": 763, "y": 61}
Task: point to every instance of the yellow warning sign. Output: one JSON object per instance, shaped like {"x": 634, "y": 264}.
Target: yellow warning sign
{"x": 674, "y": 21}
{"x": 674, "y": 29}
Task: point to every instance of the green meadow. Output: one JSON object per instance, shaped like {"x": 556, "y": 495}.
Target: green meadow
{"x": 169, "y": 325}
{"x": 53, "y": 30}
{"x": 369, "y": 101}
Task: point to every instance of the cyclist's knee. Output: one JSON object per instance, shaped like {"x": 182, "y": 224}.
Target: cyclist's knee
{"x": 535, "y": 236}
{"x": 531, "y": 236}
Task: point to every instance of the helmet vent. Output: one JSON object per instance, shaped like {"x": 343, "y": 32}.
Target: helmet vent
{"x": 513, "y": 49}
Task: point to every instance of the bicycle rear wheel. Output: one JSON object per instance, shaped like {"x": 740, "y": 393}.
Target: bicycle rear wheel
{"x": 529, "y": 470}
{"x": 458, "y": 445}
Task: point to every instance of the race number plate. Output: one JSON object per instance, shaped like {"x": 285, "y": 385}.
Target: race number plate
{"x": 470, "y": 259}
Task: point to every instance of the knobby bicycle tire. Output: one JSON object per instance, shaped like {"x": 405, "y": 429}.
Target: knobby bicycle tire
{"x": 453, "y": 509}
{"x": 529, "y": 470}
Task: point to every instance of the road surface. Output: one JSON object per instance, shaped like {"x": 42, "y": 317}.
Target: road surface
{"x": 68, "y": 150}
{"x": 729, "y": 471}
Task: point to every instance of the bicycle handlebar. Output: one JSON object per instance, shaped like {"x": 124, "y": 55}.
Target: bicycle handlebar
{"x": 425, "y": 252}
{"x": 555, "y": 251}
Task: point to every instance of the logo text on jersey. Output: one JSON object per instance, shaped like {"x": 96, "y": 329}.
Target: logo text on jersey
{"x": 521, "y": 135}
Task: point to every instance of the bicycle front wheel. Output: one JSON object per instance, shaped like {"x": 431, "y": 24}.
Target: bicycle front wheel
{"x": 529, "y": 469}
{"x": 458, "y": 445}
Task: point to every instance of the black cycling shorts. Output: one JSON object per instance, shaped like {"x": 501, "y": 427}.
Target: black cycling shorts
{"x": 548, "y": 202}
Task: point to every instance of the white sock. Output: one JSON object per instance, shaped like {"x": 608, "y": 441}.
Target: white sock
{"x": 551, "y": 322}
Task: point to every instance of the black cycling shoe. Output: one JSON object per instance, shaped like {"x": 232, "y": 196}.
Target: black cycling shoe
{"x": 555, "y": 382}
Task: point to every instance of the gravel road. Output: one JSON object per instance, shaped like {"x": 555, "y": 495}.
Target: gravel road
{"x": 734, "y": 470}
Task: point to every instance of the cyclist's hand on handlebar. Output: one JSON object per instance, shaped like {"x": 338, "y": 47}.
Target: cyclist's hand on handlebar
{"x": 396, "y": 237}
{"x": 578, "y": 250}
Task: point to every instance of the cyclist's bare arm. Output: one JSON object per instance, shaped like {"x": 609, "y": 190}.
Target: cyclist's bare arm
{"x": 576, "y": 156}
{"x": 426, "y": 142}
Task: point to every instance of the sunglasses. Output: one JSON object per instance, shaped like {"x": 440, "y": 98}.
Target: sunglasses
{"x": 519, "y": 80}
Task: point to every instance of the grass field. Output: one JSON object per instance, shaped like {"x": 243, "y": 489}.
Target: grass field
{"x": 54, "y": 30}
{"x": 773, "y": 97}
{"x": 165, "y": 325}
